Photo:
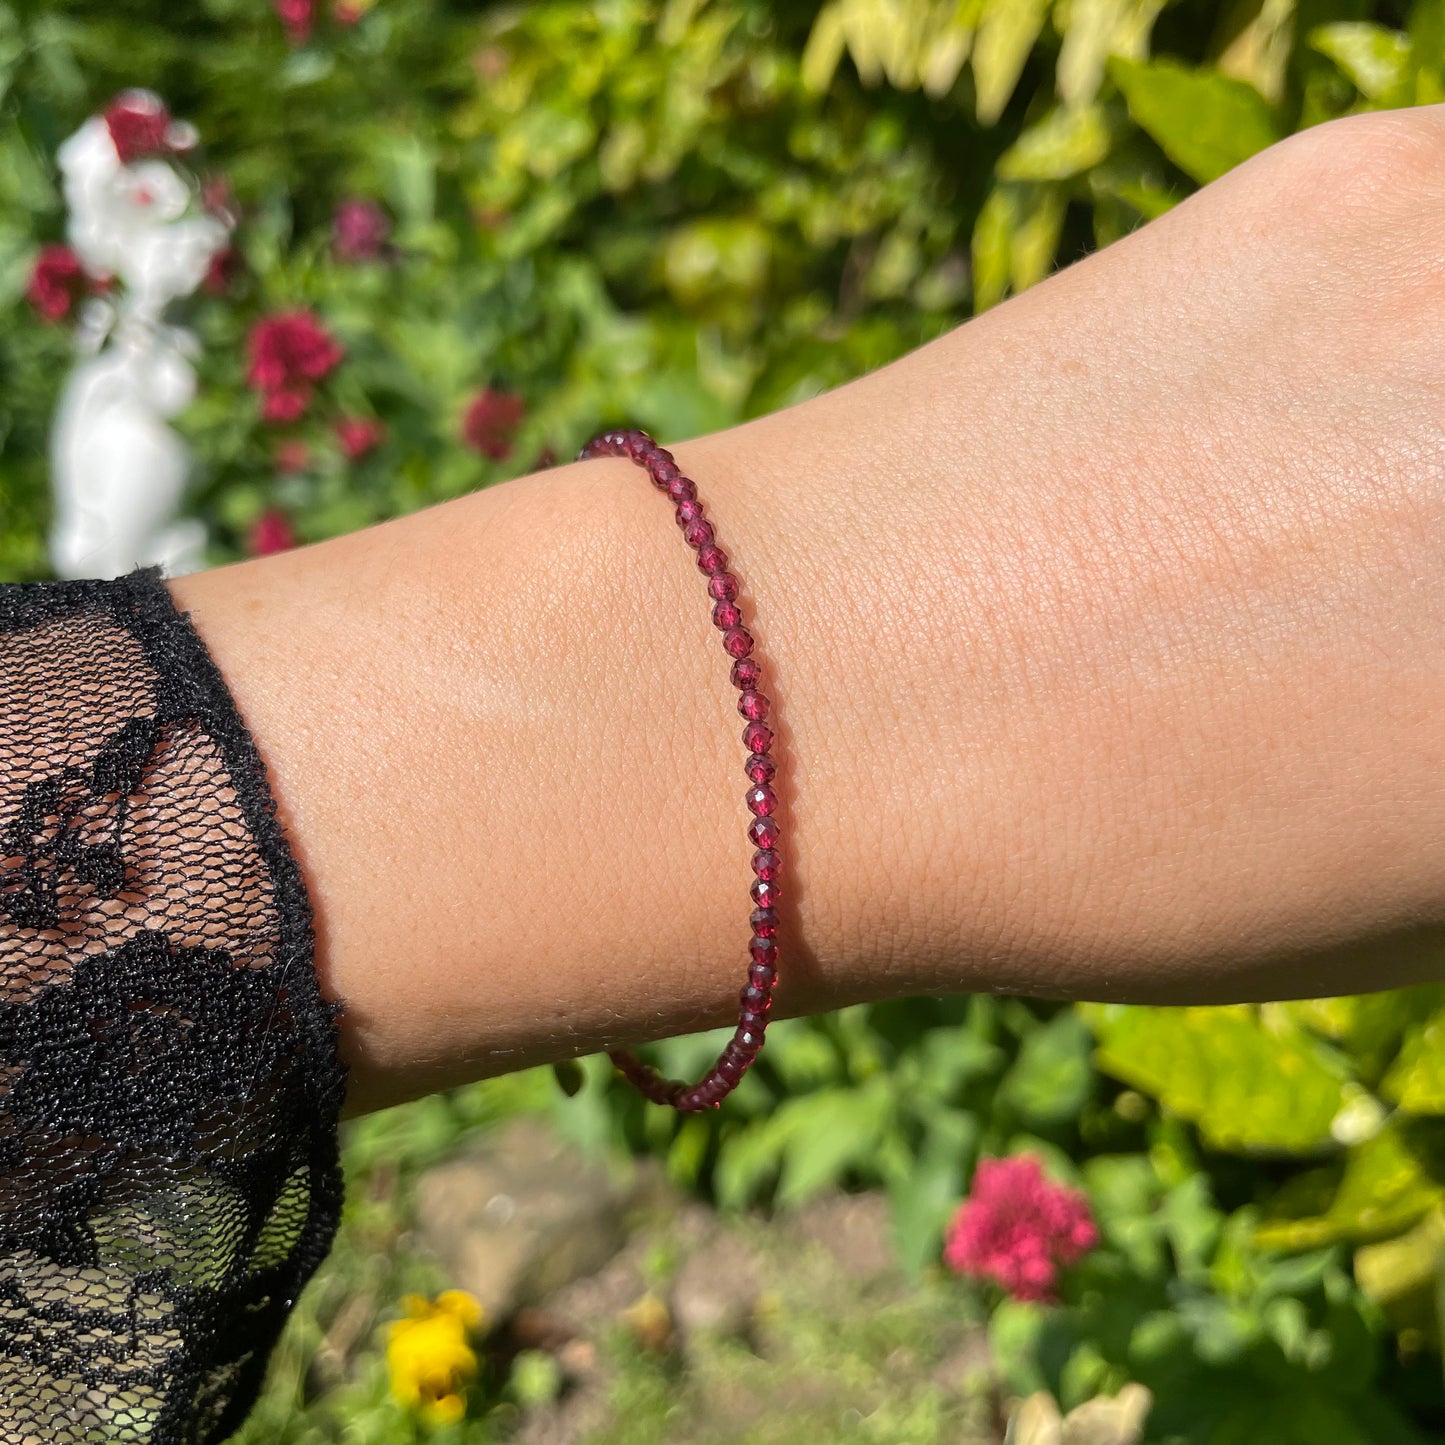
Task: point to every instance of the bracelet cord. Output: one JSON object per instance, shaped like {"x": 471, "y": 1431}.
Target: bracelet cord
{"x": 756, "y": 998}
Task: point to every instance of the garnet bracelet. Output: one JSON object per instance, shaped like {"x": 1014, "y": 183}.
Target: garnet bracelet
{"x": 757, "y": 996}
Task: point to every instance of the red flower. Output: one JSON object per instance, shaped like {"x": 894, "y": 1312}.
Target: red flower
{"x": 491, "y": 422}
{"x": 139, "y": 125}
{"x": 1018, "y": 1228}
{"x": 270, "y": 533}
{"x": 359, "y": 435}
{"x": 56, "y": 282}
{"x": 286, "y": 404}
{"x": 296, "y": 16}
{"x": 223, "y": 270}
{"x": 293, "y": 455}
{"x": 289, "y": 351}
{"x": 359, "y": 230}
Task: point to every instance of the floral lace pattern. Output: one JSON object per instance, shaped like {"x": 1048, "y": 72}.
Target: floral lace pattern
{"x": 169, "y": 1077}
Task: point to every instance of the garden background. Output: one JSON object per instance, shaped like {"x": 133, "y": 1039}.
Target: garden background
{"x": 520, "y": 224}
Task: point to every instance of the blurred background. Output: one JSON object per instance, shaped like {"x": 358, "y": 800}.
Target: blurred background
{"x": 456, "y": 240}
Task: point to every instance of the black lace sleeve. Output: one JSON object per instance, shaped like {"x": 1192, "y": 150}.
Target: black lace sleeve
{"x": 169, "y": 1077}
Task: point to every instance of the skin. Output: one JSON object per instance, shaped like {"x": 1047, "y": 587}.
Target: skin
{"x": 1106, "y": 636}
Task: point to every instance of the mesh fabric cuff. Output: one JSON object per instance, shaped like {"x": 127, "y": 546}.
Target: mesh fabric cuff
{"x": 169, "y": 1077}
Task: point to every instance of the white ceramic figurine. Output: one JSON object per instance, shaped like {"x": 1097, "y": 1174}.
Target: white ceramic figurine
{"x": 118, "y": 469}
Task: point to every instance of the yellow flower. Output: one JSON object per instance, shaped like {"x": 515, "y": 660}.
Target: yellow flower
{"x": 429, "y": 1356}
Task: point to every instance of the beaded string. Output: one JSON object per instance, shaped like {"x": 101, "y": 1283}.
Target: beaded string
{"x": 763, "y": 832}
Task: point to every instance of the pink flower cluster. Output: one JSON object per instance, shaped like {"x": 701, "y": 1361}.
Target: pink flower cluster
{"x": 57, "y": 282}
{"x": 491, "y": 421}
{"x": 359, "y": 436}
{"x": 270, "y": 533}
{"x": 1019, "y": 1228}
{"x": 290, "y": 352}
{"x": 360, "y": 230}
{"x": 298, "y": 17}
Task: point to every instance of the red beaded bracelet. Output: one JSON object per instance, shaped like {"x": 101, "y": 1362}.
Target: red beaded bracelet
{"x": 757, "y": 996}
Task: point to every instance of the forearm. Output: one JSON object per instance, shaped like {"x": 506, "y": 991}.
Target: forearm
{"x": 1076, "y": 696}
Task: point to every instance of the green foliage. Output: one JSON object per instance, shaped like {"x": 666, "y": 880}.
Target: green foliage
{"x": 1251, "y": 1080}
{"x": 1204, "y": 122}
{"x": 682, "y": 213}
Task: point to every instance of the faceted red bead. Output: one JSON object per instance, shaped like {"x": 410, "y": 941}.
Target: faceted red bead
{"x": 760, "y": 768}
{"x": 726, "y": 614}
{"x": 761, "y": 800}
{"x": 747, "y": 673}
{"x": 751, "y": 1033}
{"x": 765, "y": 893}
{"x": 764, "y": 832}
{"x": 737, "y": 641}
{"x": 765, "y": 922}
{"x": 755, "y": 1000}
{"x": 637, "y": 444}
{"x": 762, "y": 975}
{"x": 682, "y": 489}
{"x": 712, "y": 559}
{"x": 698, "y": 534}
{"x": 763, "y": 950}
{"x": 767, "y": 864}
{"x": 730, "y": 1069}
{"x": 753, "y": 706}
{"x": 722, "y": 586}
{"x": 688, "y": 513}
{"x": 664, "y": 472}
{"x": 757, "y": 737}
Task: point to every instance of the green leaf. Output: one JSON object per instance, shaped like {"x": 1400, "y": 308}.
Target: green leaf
{"x": 993, "y": 235}
{"x": 1192, "y": 1225}
{"x": 811, "y": 1142}
{"x": 1426, "y": 30}
{"x": 1206, "y": 123}
{"x": 1053, "y": 1076}
{"x": 1015, "y": 1329}
{"x": 1375, "y": 59}
{"x": 1401, "y": 1274}
{"x": 827, "y": 1134}
{"x": 1385, "y": 1189}
{"x": 1258, "y": 50}
{"x": 1417, "y": 1080}
{"x": 1248, "y": 1085}
{"x": 749, "y": 1159}
{"x": 715, "y": 256}
{"x": 824, "y": 49}
{"x": 688, "y": 1151}
{"x": 1036, "y": 240}
{"x": 1093, "y": 31}
{"x": 1015, "y": 239}
{"x": 1061, "y": 145}
{"x": 925, "y": 1194}
{"x": 1006, "y": 33}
